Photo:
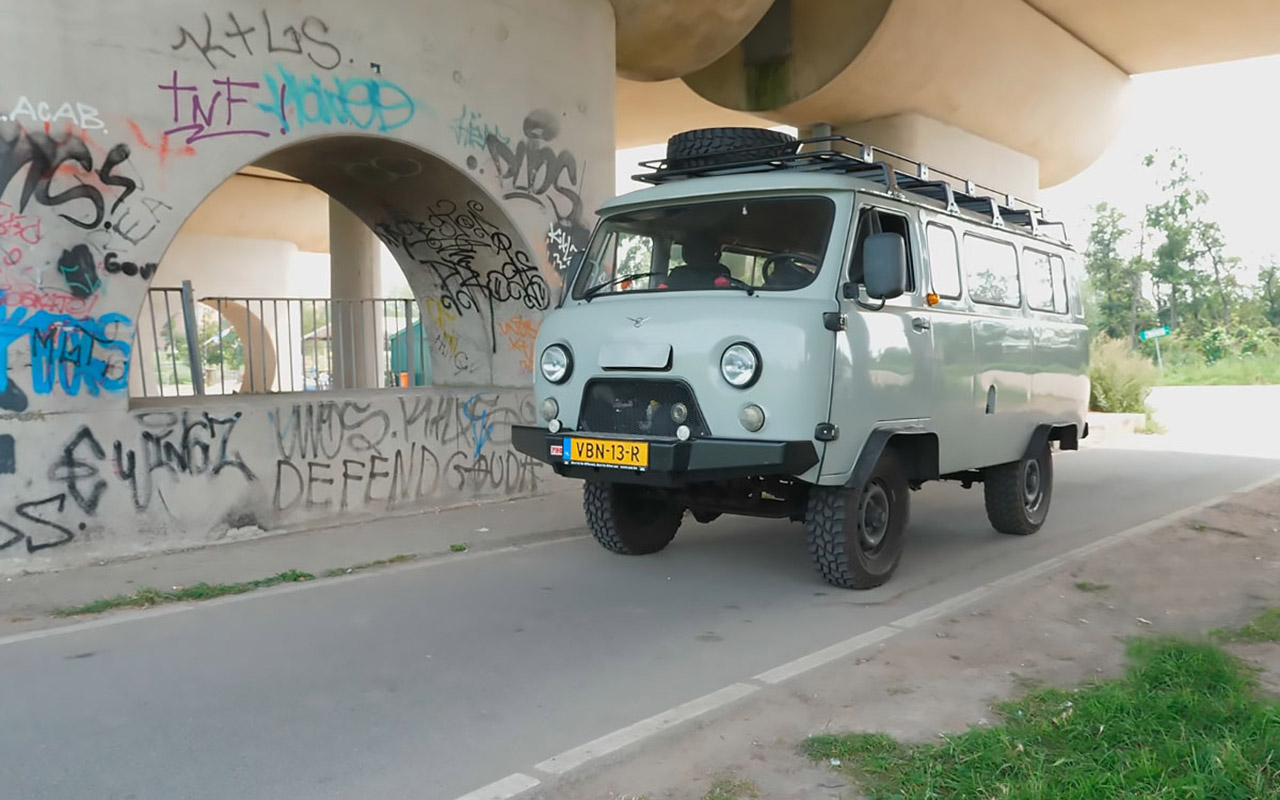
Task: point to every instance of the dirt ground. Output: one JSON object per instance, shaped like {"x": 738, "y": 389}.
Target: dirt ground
{"x": 1219, "y": 567}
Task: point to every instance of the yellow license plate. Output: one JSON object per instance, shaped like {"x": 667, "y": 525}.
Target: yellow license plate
{"x": 603, "y": 453}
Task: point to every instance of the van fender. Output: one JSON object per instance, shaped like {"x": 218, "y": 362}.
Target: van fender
{"x": 918, "y": 447}
{"x": 1066, "y": 434}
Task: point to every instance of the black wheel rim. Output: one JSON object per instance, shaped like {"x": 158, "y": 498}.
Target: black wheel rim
{"x": 875, "y": 515}
{"x": 1032, "y": 487}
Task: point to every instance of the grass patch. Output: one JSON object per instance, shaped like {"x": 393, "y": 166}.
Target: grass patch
{"x": 147, "y": 596}
{"x": 333, "y": 573}
{"x": 1264, "y": 628}
{"x": 731, "y": 789}
{"x": 1090, "y": 586}
{"x": 1250, "y": 370}
{"x": 1182, "y": 723}
{"x": 1151, "y": 426}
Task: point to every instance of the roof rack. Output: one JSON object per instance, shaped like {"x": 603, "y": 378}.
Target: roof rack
{"x": 953, "y": 193}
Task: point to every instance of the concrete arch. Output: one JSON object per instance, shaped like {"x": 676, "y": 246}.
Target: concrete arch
{"x": 470, "y": 267}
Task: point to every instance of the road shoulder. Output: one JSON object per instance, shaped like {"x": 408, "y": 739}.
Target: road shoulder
{"x": 1216, "y": 567}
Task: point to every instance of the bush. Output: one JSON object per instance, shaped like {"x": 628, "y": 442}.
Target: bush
{"x": 1120, "y": 379}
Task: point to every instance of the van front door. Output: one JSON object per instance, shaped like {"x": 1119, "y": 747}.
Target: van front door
{"x": 884, "y": 359}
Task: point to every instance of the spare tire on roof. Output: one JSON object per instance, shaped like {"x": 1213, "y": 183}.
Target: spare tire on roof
{"x": 709, "y": 147}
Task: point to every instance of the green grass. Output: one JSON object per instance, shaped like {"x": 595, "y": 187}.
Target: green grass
{"x": 1235, "y": 371}
{"x": 731, "y": 789}
{"x": 1090, "y": 586}
{"x": 147, "y": 596}
{"x": 1264, "y": 628}
{"x": 333, "y": 573}
{"x": 1183, "y": 723}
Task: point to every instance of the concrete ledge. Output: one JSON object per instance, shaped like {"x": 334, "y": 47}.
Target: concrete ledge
{"x": 1104, "y": 426}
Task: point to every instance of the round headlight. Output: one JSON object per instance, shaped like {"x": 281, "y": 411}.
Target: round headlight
{"x": 740, "y": 365}
{"x": 556, "y": 363}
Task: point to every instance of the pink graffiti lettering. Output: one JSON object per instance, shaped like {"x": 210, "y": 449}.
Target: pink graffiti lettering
{"x": 200, "y": 123}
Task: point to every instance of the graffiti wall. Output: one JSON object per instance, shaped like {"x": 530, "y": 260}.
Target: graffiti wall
{"x": 463, "y": 135}
{"x": 186, "y": 476}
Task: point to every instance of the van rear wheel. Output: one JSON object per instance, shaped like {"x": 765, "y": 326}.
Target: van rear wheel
{"x": 855, "y": 535}
{"x": 1017, "y": 494}
{"x": 630, "y": 520}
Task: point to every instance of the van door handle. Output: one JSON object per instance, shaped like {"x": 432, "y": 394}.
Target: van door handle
{"x": 919, "y": 324}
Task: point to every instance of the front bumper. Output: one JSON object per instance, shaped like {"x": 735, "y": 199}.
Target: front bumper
{"x": 672, "y": 462}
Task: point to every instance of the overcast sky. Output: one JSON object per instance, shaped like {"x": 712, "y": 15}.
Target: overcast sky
{"x": 1226, "y": 117}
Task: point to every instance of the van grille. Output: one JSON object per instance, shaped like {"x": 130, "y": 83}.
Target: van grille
{"x": 638, "y": 407}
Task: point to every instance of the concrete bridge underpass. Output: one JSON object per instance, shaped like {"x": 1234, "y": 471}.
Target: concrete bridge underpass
{"x": 179, "y": 369}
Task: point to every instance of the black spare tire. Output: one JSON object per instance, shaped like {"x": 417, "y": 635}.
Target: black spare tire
{"x": 709, "y": 147}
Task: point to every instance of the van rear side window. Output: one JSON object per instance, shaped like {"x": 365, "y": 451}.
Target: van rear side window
{"x": 944, "y": 260}
{"x": 992, "y": 270}
{"x": 1045, "y": 276}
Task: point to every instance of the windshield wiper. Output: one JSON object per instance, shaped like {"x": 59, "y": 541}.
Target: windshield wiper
{"x": 600, "y": 287}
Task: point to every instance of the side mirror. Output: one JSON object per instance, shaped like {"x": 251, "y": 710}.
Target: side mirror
{"x": 884, "y": 260}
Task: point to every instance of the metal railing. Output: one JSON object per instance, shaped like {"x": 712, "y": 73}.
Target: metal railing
{"x": 262, "y": 345}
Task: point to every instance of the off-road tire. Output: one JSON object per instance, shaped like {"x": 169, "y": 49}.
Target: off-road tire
{"x": 630, "y": 520}
{"x": 832, "y": 529}
{"x": 708, "y": 147}
{"x": 1004, "y": 488}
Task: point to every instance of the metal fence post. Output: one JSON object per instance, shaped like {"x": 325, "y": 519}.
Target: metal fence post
{"x": 410, "y": 354}
{"x": 193, "y": 331}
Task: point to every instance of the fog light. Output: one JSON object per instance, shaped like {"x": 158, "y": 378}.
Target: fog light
{"x": 554, "y": 426}
{"x": 683, "y": 433}
{"x": 679, "y": 413}
{"x": 751, "y": 417}
{"x": 550, "y": 409}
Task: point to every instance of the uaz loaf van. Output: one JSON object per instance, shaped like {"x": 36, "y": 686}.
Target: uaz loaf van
{"x": 799, "y": 329}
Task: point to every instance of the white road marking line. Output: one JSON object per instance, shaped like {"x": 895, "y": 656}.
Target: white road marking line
{"x": 825, "y": 656}
{"x": 509, "y": 786}
{"x": 571, "y": 759}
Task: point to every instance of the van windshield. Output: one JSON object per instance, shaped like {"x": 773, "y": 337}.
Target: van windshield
{"x": 765, "y": 244}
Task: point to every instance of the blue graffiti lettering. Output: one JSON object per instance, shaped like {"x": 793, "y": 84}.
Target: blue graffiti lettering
{"x": 88, "y": 354}
{"x": 481, "y": 427}
{"x": 370, "y": 104}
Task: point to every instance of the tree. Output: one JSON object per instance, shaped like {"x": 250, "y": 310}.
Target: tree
{"x": 1269, "y": 294}
{"x": 1115, "y": 280}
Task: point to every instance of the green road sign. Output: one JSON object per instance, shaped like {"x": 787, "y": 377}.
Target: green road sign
{"x": 1154, "y": 333}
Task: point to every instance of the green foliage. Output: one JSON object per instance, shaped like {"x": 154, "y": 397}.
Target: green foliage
{"x": 148, "y": 596}
{"x": 1264, "y": 628}
{"x": 1120, "y": 380}
{"x": 1183, "y": 723}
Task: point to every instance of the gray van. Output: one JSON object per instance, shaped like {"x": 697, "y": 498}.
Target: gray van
{"x": 806, "y": 330}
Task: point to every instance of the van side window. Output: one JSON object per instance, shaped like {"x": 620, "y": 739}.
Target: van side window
{"x": 992, "y": 271}
{"x": 1060, "y": 304}
{"x": 944, "y": 260}
{"x": 873, "y": 220}
{"x": 1046, "y": 281}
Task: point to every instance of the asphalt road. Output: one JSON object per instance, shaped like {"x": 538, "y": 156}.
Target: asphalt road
{"x": 430, "y": 681}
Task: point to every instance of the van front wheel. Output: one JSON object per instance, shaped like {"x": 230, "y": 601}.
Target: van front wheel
{"x": 1017, "y": 494}
{"x": 630, "y": 520}
{"x": 855, "y": 535}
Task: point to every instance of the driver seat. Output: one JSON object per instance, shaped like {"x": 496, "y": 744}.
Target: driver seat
{"x": 701, "y": 264}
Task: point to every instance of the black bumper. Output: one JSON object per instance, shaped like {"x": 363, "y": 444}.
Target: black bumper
{"x": 672, "y": 462}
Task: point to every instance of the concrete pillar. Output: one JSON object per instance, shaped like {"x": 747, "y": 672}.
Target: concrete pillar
{"x": 946, "y": 147}
{"x": 355, "y": 327}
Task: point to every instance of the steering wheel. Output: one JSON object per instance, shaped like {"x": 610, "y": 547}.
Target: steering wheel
{"x": 771, "y": 263}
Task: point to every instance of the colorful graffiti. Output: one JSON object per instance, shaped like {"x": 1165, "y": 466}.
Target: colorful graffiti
{"x": 74, "y": 353}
